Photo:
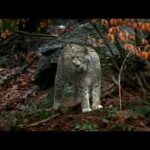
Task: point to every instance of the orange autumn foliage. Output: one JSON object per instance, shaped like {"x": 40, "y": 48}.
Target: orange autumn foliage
{"x": 124, "y": 36}
{"x": 145, "y": 27}
{"x": 111, "y": 37}
{"x": 136, "y": 51}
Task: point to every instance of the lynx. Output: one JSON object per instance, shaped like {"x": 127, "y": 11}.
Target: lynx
{"x": 82, "y": 66}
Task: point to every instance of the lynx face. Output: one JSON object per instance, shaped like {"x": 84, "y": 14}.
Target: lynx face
{"x": 79, "y": 60}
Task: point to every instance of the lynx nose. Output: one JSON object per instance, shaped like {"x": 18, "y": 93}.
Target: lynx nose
{"x": 75, "y": 64}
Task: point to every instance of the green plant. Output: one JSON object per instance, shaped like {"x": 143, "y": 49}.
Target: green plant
{"x": 88, "y": 126}
{"x": 118, "y": 127}
{"x": 145, "y": 111}
{"x": 9, "y": 24}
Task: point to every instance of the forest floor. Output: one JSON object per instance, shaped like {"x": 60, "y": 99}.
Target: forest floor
{"x": 23, "y": 107}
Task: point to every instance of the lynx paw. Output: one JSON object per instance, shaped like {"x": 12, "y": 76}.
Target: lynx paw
{"x": 86, "y": 109}
{"x": 97, "y": 107}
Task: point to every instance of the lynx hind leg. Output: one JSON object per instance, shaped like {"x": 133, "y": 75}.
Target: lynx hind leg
{"x": 85, "y": 101}
{"x": 77, "y": 95}
{"x": 59, "y": 87}
{"x": 96, "y": 98}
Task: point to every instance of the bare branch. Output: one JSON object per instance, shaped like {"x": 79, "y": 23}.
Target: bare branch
{"x": 119, "y": 79}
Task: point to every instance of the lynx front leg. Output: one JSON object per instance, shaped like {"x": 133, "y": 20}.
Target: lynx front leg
{"x": 96, "y": 98}
{"x": 85, "y": 103}
{"x": 59, "y": 86}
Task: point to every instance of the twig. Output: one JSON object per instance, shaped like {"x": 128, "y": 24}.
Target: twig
{"x": 108, "y": 91}
{"x": 119, "y": 79}
{"x": 144, "y": 81}
{"x": 114, "y": 80}
{"x": 34, "y": 34}
{"x": 124, "y": 91}
{"x": 28, "y": 93}
{"x": 140, "y": 82}
{"x": 41, "y": 121}
{"x": 49, "y": 118}
{"x": 111, "y": 86}
{"x": 107, "y": 44}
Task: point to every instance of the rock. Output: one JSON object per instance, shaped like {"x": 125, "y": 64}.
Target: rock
{"x": 78, "y": 35}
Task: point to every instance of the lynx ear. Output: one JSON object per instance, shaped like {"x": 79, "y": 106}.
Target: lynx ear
{"x": 86, "y": 51}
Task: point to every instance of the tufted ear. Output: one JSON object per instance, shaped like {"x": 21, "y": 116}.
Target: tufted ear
{"x": 86, "y": 51}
